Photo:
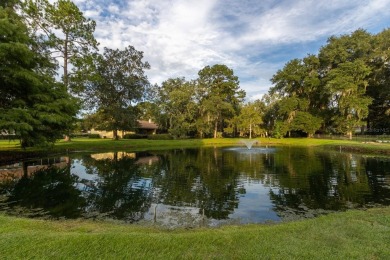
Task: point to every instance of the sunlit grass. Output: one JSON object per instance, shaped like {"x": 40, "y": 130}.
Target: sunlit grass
{"x": 9, "y": 145}
{"x": 86, "y": 144}
{"x": 348, "y": 235}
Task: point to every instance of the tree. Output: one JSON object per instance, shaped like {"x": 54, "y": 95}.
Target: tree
{"x": 176, "y": 101}
{"x": 116, "y": 82}
{"x": 148, "y": 111}
{"x": 250, "y": 118}
{"x": 332, "y": 89}
{"x": 301, "y": 79}
{"x": 219, "y": 96}
{"x": 378, "y": 119}
{"x": 348, "y": 83}
{"x": 299, "y": 86}
{"x": 345, "y": 48}
{"x": 65, "y": 30}
{"x": 270, "y": 114}
{"x": 32, "y": 104}
{"x": 345, "y": 65}
{"x": 306, "y": 122}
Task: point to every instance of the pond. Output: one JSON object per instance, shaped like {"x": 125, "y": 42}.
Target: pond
{"x": 193, "y": 187}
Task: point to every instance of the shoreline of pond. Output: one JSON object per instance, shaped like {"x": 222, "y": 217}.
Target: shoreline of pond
{"x": 10, "y": 152}
{"x": 338, "y": 234}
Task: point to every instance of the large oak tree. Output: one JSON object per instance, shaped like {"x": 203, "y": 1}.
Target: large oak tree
{"x": 115, "y": 83}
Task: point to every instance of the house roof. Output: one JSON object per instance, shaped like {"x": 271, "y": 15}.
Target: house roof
{"x": 147, "y": 124}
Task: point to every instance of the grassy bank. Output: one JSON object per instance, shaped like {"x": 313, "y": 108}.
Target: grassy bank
{"x": 85, "y": 144}
{"x": 348, "y": 235}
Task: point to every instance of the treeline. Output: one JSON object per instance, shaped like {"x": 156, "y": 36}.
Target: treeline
{"x": 344, "y": 87}
{"x": 205, "y": 107}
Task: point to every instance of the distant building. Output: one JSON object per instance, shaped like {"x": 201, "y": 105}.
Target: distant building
{"x": 145, "y": 128}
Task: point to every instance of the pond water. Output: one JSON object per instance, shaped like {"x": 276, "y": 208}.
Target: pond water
{"x": 192, "y": 187}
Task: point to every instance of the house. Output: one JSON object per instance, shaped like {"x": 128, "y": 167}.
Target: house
{"x": 144, "y": 128}
{"x": 147, "y": 127}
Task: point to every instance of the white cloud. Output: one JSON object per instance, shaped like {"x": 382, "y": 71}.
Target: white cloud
{"x": 180, "y": 37}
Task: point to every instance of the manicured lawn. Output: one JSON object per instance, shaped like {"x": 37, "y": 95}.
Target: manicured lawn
{"x": 85, "y": 144}
{"x": 6, "y": 145}
{"x": 348, "y": 235}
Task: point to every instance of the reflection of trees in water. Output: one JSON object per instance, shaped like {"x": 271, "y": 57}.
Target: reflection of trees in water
{"x": 51, "y": 189}
{"x": 119, "y": 192}
{"x": 378, "y": 172}
{"x": 320, "y": 180}
{"x": 124, "y": 186}
{"x": 197, "y": 178}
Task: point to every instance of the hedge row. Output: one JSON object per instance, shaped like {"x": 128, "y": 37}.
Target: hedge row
{"x": 150, "y": 137}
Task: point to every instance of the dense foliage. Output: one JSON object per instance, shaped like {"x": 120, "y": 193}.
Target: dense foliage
{"x": 116, "y": 81}
{"x": 202, "y": 107}
{"x": 32, "y": 105}
{"x": 346, "y": 86}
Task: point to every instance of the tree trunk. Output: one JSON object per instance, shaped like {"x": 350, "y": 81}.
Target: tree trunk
{"x": 215, "y": 129}
{"x": 115, "y": 134}
{"x": 66, "y": 62}
{"x": 67, "y": 137}
{"x": 24, "y": 169}
{"x": 349, "y": 134}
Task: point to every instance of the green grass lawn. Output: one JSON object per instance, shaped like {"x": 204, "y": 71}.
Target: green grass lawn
{"x": 85, "y": 144}
{"x": 348, "y": 235}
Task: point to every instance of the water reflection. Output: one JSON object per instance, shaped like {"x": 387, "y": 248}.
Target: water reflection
{"x": 48, "y": 191}
{"x": 195, "y": 184}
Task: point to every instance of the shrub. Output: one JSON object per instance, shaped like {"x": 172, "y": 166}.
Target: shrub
{"x": 160, "y": 137}
{"x": 79, "y": 135}
{"x": 94, "y": 136}
{"x": 9, "y": 137}
{"x": 134, "y": 136}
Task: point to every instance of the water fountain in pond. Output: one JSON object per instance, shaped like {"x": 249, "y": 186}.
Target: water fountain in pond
{"x": 251, "y": 147}
{"x": 249, "y": 143}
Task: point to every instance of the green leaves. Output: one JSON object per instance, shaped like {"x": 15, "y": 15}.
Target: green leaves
{"x": 32, "y": 105}
{"x": 306, "y": 122}
{"x": 219, "y": 95}
{"x": 115, "y": 83}
{"x": 177, "y": 106}
{"x": 345, "y": 86}
{"x": 251, "y": 118}
{"x": 205, "y": 106}
{"x": 66, "y": 32}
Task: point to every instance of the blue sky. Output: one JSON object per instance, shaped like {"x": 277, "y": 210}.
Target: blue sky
{"x": 254, "y": 37}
